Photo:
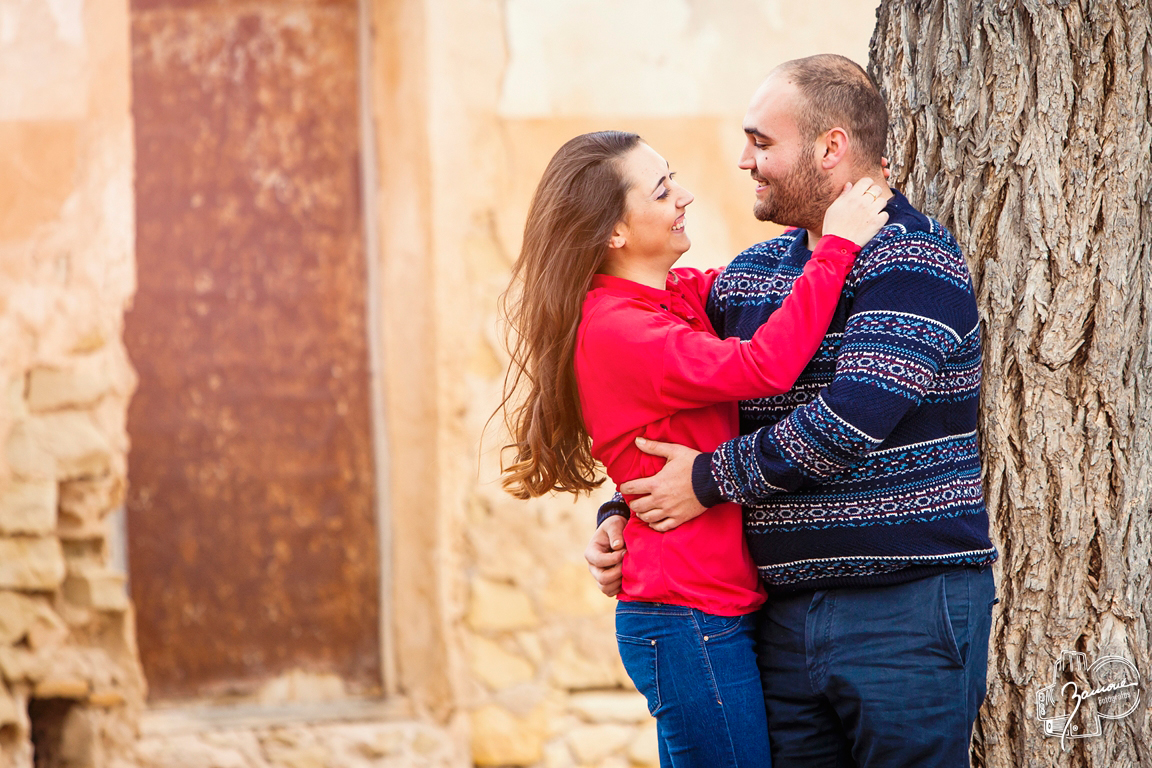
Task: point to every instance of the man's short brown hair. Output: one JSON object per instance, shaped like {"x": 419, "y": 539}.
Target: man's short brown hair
{"x": 836, "y": 91}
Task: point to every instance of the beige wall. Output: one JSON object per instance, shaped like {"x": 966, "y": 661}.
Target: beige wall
{"x": 496, "y": 637}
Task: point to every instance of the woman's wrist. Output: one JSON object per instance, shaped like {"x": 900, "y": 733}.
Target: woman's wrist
{"x": 841, "y": 249}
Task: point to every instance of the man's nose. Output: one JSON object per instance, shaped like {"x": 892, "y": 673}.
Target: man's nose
{"x": 746, "y": 162}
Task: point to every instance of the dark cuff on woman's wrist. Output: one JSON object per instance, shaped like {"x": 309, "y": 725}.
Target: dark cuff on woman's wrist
{"x": 705, "y": 487}
{"x": 609, "y": 508}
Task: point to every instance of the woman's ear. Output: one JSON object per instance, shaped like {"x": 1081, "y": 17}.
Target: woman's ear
{"x": 618, "y": 237}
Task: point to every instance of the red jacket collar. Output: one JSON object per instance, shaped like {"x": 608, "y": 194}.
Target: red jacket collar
{"x": 624, "y": 287}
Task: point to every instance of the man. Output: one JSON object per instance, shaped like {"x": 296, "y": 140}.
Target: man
{"x": 863, "y": 503}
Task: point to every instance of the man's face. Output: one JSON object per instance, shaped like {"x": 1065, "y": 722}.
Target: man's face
{"x": 791, "y": 188}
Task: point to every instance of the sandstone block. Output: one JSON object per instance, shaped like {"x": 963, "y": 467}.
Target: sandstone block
{"x": 29, "y": 507}
{"x": 572, "y": 670}
{"x": 61, "y": 688}
{"x": 119, "y": 640}
{"x": 374, "y": 744}
{"x": 296, "y": 748}
{"x": 21, "y": 665}
{"x": 100, "y": 589}
{"x": 496, "y": 667}
{"x": 83, "y": 382}
{"x": 494, "y": 558}
{"x": 46, "y": 630}
{"x": 32, "y": 563}
{"x": 532, "y": 646}
{"x": 73, "y": 439}
{"x": 18, "y": 753}
{"x": 592, "y": 743}
{"x": 313, "y": 756}
{"x": 10, "y": 709}
{"x": 377, "y": 744}
{"x": 26, "y": 457}
{"x": 12, "y": 395}
{"x": 557, "y": 755}
{"x": 572, "y": 592}
{"x": 351, "y": 746}
{"x": 84, "y": 503}
{"x": 92, "y": 338}
{"x": 191, "y": 751}
{"x": 425, "y": 743}
{"x": 496, "y": 606}
{"x": 610, "y": 707}
{"x": 644, "y": 750}
{"x": 17, "y": 612}
{"x": 501, "y": 738}
{"x": 106, "y": 699}
{"x": 244, "y": 744}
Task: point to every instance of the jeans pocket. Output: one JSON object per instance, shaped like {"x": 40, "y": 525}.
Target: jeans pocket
{"x": 639, "y": 657}
{"x": 956, "y": 604}
{"x": 714, "y": 627}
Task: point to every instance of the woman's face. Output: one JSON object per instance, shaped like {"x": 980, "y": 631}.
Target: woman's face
{"x": 653, "y": 224}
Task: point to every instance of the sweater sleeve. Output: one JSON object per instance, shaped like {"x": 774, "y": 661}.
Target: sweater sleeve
{"x": 614, "y": 506}
{"x": 913, "y": 306}
{"x": 700, "y": 369}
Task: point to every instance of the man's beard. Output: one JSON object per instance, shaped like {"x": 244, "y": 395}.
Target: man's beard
{"x": 799, "y": 199}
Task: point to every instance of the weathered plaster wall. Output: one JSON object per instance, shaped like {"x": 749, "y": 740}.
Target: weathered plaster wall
{"x": 499, "y": 642}
{"x": 67, "y": 651}
{"x": 531, "y": 648}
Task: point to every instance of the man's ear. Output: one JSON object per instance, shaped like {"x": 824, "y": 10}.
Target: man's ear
{"x": 832, "y": 148}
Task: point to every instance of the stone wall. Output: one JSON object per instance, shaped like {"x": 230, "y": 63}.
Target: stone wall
{"x": 334, "y": 736}
{"x": 496, "y": 640}
{"x": 70, "y": 677}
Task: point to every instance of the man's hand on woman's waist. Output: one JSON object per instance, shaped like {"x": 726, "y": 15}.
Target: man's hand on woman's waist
{"x": 666, "y": 499}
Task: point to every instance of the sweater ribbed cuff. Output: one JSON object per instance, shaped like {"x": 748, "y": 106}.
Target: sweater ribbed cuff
{"x": 609, "y": 508}
{"x": 705, "y": 487}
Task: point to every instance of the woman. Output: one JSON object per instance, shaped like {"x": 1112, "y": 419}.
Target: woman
{"x": 613, "y": 344}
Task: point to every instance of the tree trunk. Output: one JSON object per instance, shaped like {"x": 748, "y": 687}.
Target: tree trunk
{"x": 1024, "y": 126}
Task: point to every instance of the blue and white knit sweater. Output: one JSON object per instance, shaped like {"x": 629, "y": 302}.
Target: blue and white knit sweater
{"x": 867, "y": 472}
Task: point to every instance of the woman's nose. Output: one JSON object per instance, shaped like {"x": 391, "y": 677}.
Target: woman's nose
{"x": 685, "y": 197}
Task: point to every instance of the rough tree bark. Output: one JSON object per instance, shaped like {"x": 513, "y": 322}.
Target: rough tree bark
{"x": 1024, "y": 126}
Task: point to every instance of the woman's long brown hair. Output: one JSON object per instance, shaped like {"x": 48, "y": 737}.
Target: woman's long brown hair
{"x": 579, "y": 200}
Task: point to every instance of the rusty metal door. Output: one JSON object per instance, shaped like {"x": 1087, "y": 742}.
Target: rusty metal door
{"x": 251, "y": 531}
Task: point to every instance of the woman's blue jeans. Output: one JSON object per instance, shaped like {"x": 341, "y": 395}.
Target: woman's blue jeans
{"x": 699, "y": 674}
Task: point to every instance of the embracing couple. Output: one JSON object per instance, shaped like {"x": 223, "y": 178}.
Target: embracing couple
{"x": 801, "y": 549}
